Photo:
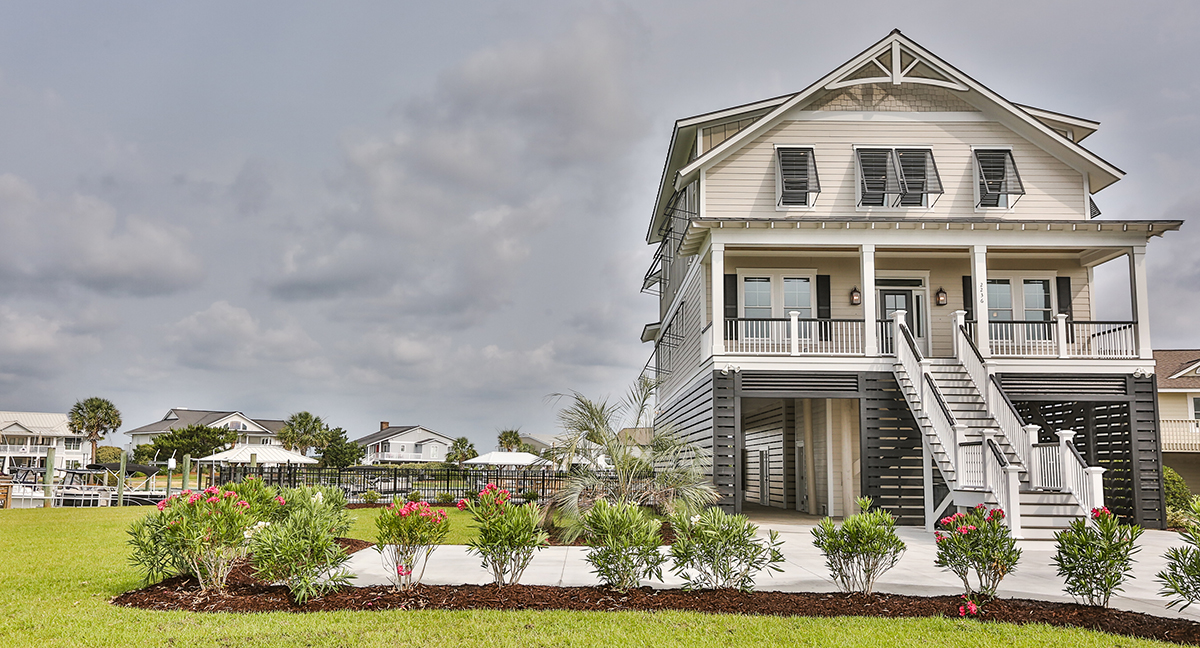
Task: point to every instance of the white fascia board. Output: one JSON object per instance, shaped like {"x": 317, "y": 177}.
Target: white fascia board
{"x": 1179, "y": 390}
{"x": 222, "y": 421}
{"x": 838, "y": 235}
{"x": 1082, "y": 127}
{"x": 721, "y": 115}
{"x": 1190, "y": 369}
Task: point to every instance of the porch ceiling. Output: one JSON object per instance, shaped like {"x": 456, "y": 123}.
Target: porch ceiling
{"x": 699, "y": 230}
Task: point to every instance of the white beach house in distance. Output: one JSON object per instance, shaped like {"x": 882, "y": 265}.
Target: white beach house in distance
{"x": 404, "y": 444}
{"x": 881, "y": 285}
{"x": 250, "y": 431}
{"x": 26, "y": 438}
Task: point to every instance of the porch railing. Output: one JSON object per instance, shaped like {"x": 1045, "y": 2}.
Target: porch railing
{"x": 1045, "y": 469}
{"x": 794, "y": 336}
{"x": 886, "y": 334}
{"x": 24, "y": 450}
{"x": 1180, "y": 435}
{"x": 396, "y": 456}
{"x": 971, "y": 470}
{"x": 1023, "y": 338}
{"x": 1101, "y": 339}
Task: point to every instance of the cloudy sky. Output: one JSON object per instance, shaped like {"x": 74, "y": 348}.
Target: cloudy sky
{"x": 433, "y": 212}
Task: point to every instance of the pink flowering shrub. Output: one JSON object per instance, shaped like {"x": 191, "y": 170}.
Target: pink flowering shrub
{"x": 194, "y": 532}
{"x": 1095, "y": 558}
{"x": 968, "y": 608}
{"x": 508, "y": 535}
{"x": 408, "y": 532}
{"x": 977, "y": 541}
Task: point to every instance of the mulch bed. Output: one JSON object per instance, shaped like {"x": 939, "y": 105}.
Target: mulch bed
{"x": 182, "y": 593}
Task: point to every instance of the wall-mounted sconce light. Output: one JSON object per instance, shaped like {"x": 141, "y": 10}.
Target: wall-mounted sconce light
{"x": 941, "y": 297}
{"x": 855, "y": 296}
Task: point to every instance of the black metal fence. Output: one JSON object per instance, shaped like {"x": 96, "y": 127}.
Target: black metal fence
{"x": 442, "y": 485}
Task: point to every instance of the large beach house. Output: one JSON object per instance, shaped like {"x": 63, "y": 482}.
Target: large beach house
{"x": 881, "y": 286}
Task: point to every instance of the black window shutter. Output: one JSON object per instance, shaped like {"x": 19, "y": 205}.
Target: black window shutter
{"x": 731, "y": 296}
{"x": 969, "y": 297}
{"x": 1064, "y": 295}
{"x": 824, "y": 311}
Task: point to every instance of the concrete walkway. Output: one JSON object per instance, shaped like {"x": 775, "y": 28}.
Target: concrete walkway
{"x": 804, "y": 570}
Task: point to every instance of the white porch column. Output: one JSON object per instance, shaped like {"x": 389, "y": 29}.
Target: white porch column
{"x": 870, "y": 327}
{"x": 1139, "y": 293}
{"x": 979, "y": 287}
{"x": 717, "y": 265}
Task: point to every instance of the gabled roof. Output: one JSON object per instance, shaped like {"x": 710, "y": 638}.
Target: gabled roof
{"x": 1176, "y": 368}
{"x": 180, "y": 418}
{"x": 397, "y": 430}
{"x": 909, "y": 63}
{"x": 41, "y": 423}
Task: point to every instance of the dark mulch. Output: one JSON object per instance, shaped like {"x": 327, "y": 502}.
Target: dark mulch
{"x": 184, "y": 594}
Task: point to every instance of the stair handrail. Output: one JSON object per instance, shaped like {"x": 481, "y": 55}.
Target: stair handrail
{"x": 1084, "y": 482}
{"x": 941, "y": 418}
{"x": 1005, "y": 483}
{"x": 1021, "y": 436}
{"x": 909, "y": 359}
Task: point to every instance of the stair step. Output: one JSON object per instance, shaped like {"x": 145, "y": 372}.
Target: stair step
{"x": 1047, "y": 521}
{"x": 1046, "y": 497}
{"x": 1050, "y": 510}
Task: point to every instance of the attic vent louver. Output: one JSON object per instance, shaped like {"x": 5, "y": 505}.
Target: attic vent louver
{"x": 1095, "y": 211}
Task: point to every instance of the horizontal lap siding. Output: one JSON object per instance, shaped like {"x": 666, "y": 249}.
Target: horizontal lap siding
{"x": 680, "y": 355}
{"x": 690, "y": 416}
{"x": 743, "y": 184}
{"x": 892, "y": 473}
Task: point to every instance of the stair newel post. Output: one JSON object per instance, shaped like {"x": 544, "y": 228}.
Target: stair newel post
{"x": 795, "y": 332}
{"x": 960, "y": 435}
{"x": 1064, "y": 459}
{"x": 1095, "y": 480}
{"x": 1061, "y": 328}
{"x": 1012, "y": 479}
{"x": 986, "y": 455}
{"x": 1030, "y": 440}
{"x": 959, "y": 318}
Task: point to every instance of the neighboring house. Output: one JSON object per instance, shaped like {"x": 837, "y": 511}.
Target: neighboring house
{"x": 1178, "y": 377}
{"x": 25, "y": 438}
{"x": 250, "y": 431}
{"x": 881, "y": 286}
{"x": 404, "y": 444}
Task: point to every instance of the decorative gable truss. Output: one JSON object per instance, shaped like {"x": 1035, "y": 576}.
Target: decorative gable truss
{"x": 897, "y": 65}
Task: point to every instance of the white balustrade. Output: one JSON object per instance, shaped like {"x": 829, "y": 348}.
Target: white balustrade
{"x": 1045, "y": 472}
{"x": 1101, "y": 340}
{"x": 794, "y": 336}
{"x": 1023, "y": 339}
{"x": 1180, "y": 435}
{"x": 24, "y": 450}
{"x": 970, "y": 471}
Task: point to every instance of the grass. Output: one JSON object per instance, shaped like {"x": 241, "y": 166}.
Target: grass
{"x": 59, "y": 568}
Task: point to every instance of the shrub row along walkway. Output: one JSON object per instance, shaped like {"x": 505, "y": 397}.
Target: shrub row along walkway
{"x": 805, "y": 571}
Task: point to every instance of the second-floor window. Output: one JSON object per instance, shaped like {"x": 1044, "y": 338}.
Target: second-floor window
{"x": 1196, "y": 408}
{"x": 796, "y": 180}
{"x": 897, "y": 178}
{"x": 997, "y": 182}
{"x": 72, "y": 444}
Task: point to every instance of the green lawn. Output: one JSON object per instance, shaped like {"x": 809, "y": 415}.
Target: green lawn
{"x": 59, "y": 568}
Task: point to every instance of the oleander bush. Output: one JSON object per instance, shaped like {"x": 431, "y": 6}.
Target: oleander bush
{"x": 1181, "y": 579}
{"x": 509, "y": 535}
{"x": 408, "y": 533}
{"x": 301, "y": 551}
{"x": 202, "y": 533}
{"x": 715, "y": 550}
{"x": 977, "y": 541}
{"x": 861, "y": 549}
{"x": 1096, "y": 558}
{"x": 623, "y": 541}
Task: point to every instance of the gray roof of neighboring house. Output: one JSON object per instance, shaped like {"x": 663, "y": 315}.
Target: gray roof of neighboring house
{"x": 1169, "y": 362}
{"x": 396, "y": 430}
{"x": 186, "y": 417}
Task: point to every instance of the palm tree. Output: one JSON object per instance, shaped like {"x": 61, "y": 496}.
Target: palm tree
{"x": 96, "y": 418}
{"x": 461, "y": 450}
{"x": 666, "y": 472}
{"x": 510, "y": 440}
{"x": 302, "y": 431}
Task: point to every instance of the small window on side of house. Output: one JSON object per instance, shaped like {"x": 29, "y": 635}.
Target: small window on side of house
{"x": 797, "y": 182}
{"x": 998, "y": 182}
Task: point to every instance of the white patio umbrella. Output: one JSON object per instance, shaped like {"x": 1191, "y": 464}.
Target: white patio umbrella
{"x": 264, "y": 454}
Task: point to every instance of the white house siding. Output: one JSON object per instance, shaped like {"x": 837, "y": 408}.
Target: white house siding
{"x": 1175, "y": 405}
{"x": 844, "y": 412}
{"x": 743, "y": 184}
{"x": 684, "y": 328}
{"x": 763, "y": 429}
{"x": 820, "y": 437}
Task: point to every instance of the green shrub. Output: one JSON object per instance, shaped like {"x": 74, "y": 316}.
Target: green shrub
{"x": 407, "y": 533}
{"x": 201, "y": 533}
{"x": 977, "y": 541}
{"x": 1175, "y": 489}
{"x": 1181, "y": 578}
{"x": 302, "y": 551}
{"x": 530, "y": 495}
{"x": 623, "y": 543}
{"x": 1095, "y": 558}
{"x": 1177, "y": 518}
{"x": 265, "y": 502}
{"x": 862, "y": 549}
{"x": 304, "y": 497}
{"x": 508, "y": 535}
{"x": 714, "y": 550}
{"x": 371, "y": 497}
{"x": 415, "y": 496}
{"x": 444, "y": 499}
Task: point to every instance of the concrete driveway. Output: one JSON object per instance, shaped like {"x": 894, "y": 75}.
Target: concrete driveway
{"x": 804, "y": 570}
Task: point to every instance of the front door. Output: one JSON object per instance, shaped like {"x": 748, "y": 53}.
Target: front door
{"x": 895, "y": 299}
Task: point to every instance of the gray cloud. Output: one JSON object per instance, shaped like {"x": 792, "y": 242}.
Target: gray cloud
{"x": 224, "y": 337}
